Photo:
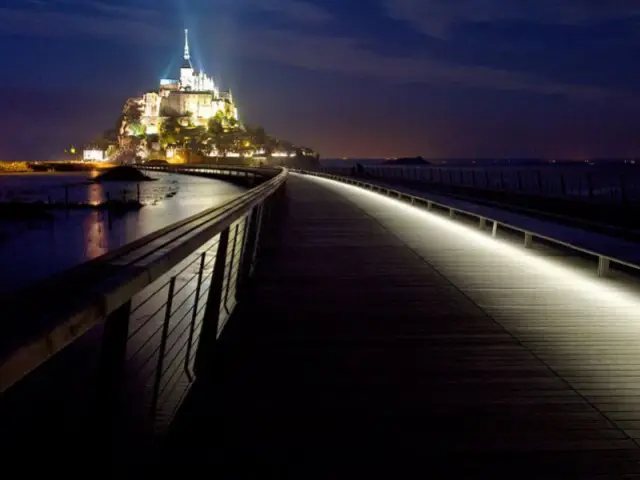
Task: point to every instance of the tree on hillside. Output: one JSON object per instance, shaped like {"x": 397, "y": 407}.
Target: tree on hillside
{"x": 256, "y": 136}
{"x": 169, "y": 131}
{"x": 195, "y": 139}
{"x": 232, "y": 124}
{"x": 132, "y": 109}
{"x": 215, "y": 125}
{"x": 131, "y": 113}
{"x": 111, "y": 151}
{"x": 135, "y": 129}
{"x": 286, "y": 145}
{"x": 225, "y": 143}
{"x": 214, "y": 133}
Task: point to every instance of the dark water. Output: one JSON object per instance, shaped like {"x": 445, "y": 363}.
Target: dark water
{"x": 34, "y": 250}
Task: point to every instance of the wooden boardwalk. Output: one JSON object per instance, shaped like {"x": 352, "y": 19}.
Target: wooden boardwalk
{"x": 380, "y": 339}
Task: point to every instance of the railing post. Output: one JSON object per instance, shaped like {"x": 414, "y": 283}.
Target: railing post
{"x": 528, "y": 240}
{"x": 604, "y": 265}
{"x": 210, "y": 322}
{"x": 494, "y": 232}
{"x": 111, "y": 371}
{"x": 194, "y": 316}
{"x": 483, "y": 223}
{"x": 231, "y": 261}
{"x": 247, "y": 261}
{"x": 429, "y": 206}
{"x": 162, "y": 351}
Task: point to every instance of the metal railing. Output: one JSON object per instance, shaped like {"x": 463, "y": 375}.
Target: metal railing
{"x": 230, "y": 171}
{"x": 604, "y": 260}
{"x": 158, "y": 305}
{"x": 580, "y": 182}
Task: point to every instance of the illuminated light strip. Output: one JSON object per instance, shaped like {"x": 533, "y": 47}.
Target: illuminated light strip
{"x": 583, "y": 328}
{"x": 620, "y": 302}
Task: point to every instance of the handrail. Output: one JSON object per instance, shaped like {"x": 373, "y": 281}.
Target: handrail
{"x": 604, "y": 260}
{"x": 135, "y": 266}
{"x": 581, "y": 184}
{"x": 135, "y": 244}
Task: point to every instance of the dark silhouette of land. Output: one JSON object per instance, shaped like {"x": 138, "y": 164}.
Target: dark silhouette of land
{"x": 123, "y": 174}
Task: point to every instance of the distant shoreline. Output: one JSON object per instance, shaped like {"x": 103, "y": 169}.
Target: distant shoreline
{"x": 42, "y": 173}
{"x": 47, "y": 167}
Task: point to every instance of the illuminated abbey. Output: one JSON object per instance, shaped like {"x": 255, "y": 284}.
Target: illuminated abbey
{"x": 189, "y": 120}
{"x": 194, "y": 95}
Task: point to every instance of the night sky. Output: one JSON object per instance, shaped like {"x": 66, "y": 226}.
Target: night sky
{"x": 356, "y": 78}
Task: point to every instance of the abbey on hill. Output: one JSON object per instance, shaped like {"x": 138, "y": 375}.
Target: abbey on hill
{"x": 190, "y": 120}
{"x": 194, "y": 96}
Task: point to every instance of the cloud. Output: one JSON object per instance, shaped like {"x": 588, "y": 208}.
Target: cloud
{"x": 439, "y": 17}
{"x": 295, "y": 10}
{"x": 298, "y": 11}
{"x": 340, "y": 54}
{"x": 48, "y": 23}
{"x": 130, "y": 23}
{"x": 350, "y": 56}
{"x": 111, "y": 9}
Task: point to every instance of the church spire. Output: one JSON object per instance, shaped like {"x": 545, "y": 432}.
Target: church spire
{"x": 187, "y": 56}
{"x": 186, "y": 64}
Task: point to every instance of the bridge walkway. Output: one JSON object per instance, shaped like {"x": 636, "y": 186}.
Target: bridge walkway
{"x": 379, "y": 338}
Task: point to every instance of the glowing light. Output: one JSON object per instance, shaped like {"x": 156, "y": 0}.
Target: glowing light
{"x": 96, "y": 237}
{"x": 187, "y": 56}
{"x": 93, "y": 155}
{"x": 176, "y": 158}
{"x": 194, "y": 94}
{"x": 521, "y": 266}
{"x": 585, "y": 328}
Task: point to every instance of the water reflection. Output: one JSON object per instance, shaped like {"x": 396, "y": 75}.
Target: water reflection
{"x": 97, "y": 239}
{"x": 95, "y": 194}
{"x": 31, "y": 251}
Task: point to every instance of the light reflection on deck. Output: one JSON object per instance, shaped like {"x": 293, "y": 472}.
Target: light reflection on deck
{"x": 585, "y": 329}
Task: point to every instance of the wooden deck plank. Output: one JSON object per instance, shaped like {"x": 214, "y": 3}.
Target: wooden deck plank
{"x": 363, "y": 344}
{"x": 531, "y": 294}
